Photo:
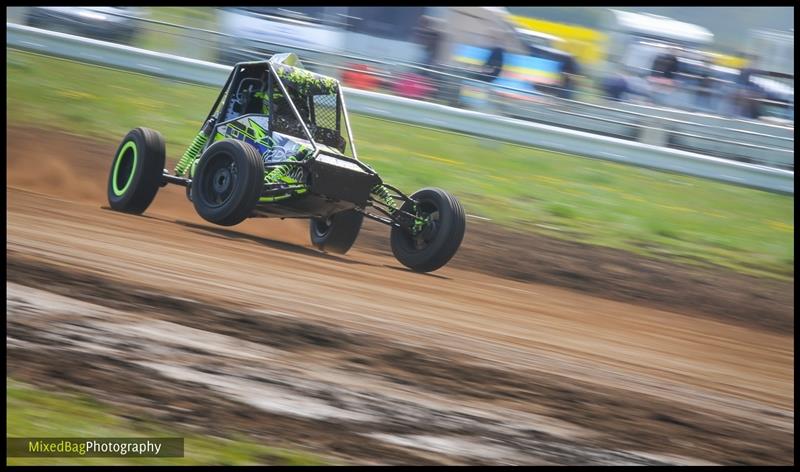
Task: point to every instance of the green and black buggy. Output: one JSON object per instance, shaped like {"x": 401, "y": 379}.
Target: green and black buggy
{"x": 278, "y": 143}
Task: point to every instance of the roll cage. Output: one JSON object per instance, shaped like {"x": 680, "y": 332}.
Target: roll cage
{"x": 327, "y": 181}
{"x": 297, "y": 102}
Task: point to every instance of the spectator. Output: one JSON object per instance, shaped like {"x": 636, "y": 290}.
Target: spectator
{"x": 747, "y": 71}
{"x": 494, "y": 65}
{"x": 748, "y": 94}
{"x": 665, "y": 65}
{"x": 487, "y": 74}
{"x": 569, "y": 71}
{"x": 613, "y": 81}
{"x": 663, "y": 74}
{"x": 703, "y": 92}
{"x": 430, "y": 38}
{"x": 615, "y": 87}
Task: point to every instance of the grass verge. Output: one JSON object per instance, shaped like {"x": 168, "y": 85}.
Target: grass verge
{"x": 32, "y": 412}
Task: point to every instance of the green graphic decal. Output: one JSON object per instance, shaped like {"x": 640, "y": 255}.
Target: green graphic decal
{"x": 259, "y": 134}
{"x": 120, "y": 157}
{"x": 252, "y": 130}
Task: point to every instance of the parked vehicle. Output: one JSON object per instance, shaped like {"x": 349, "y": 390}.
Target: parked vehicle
{"x": 253, "y": 33}
{"x": 116, "y": 24}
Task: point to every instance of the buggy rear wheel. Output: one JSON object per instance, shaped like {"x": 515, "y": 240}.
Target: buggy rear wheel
{"x": 440, "y": 237}
{"x": 227, "y": 182}
{"x": 338, "y": 234}
{"x": 135, "y": 175}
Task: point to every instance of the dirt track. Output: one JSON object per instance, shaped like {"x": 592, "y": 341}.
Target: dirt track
{"x": 247, "y": 330}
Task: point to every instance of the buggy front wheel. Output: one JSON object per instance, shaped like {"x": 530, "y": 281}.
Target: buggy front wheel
{"x": 438, "y": 236}
{"x": 227, "y": 182}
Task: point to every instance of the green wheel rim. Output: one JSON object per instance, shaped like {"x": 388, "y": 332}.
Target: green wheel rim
{"x": 120, "y": 157}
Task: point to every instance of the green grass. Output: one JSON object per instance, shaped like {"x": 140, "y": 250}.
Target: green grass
{"x": 33, "y": 412}
{"x": 648, "y": 212}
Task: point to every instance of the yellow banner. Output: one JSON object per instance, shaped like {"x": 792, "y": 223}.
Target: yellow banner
{"x": 587, "y": 45}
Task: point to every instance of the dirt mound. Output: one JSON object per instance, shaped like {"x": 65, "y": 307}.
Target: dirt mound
{"x": 78, "y": 172}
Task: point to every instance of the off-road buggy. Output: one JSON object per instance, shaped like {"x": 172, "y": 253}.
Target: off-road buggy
{"x": 278, "y": 143}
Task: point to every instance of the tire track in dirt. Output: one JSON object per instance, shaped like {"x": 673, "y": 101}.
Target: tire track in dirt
{"x": 412, "y": 367}
{"x": 195, "y": 375}
{"x": 639, "y": 422}
{"x": 79, "y": 172}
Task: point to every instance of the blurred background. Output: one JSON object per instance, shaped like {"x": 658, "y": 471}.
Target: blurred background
{"x": 596, "y": 69}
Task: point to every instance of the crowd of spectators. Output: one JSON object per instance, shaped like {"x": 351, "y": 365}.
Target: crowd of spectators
{"x": 675, "y": 77}
{"x": 684, "y": 80}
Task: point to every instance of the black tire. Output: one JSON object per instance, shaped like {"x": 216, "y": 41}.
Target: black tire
{"x": 435, "y": 246}
{"x": 337, "y": 235}
{"x": 227, "y": 182}
{"x": 136, "y": 170}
